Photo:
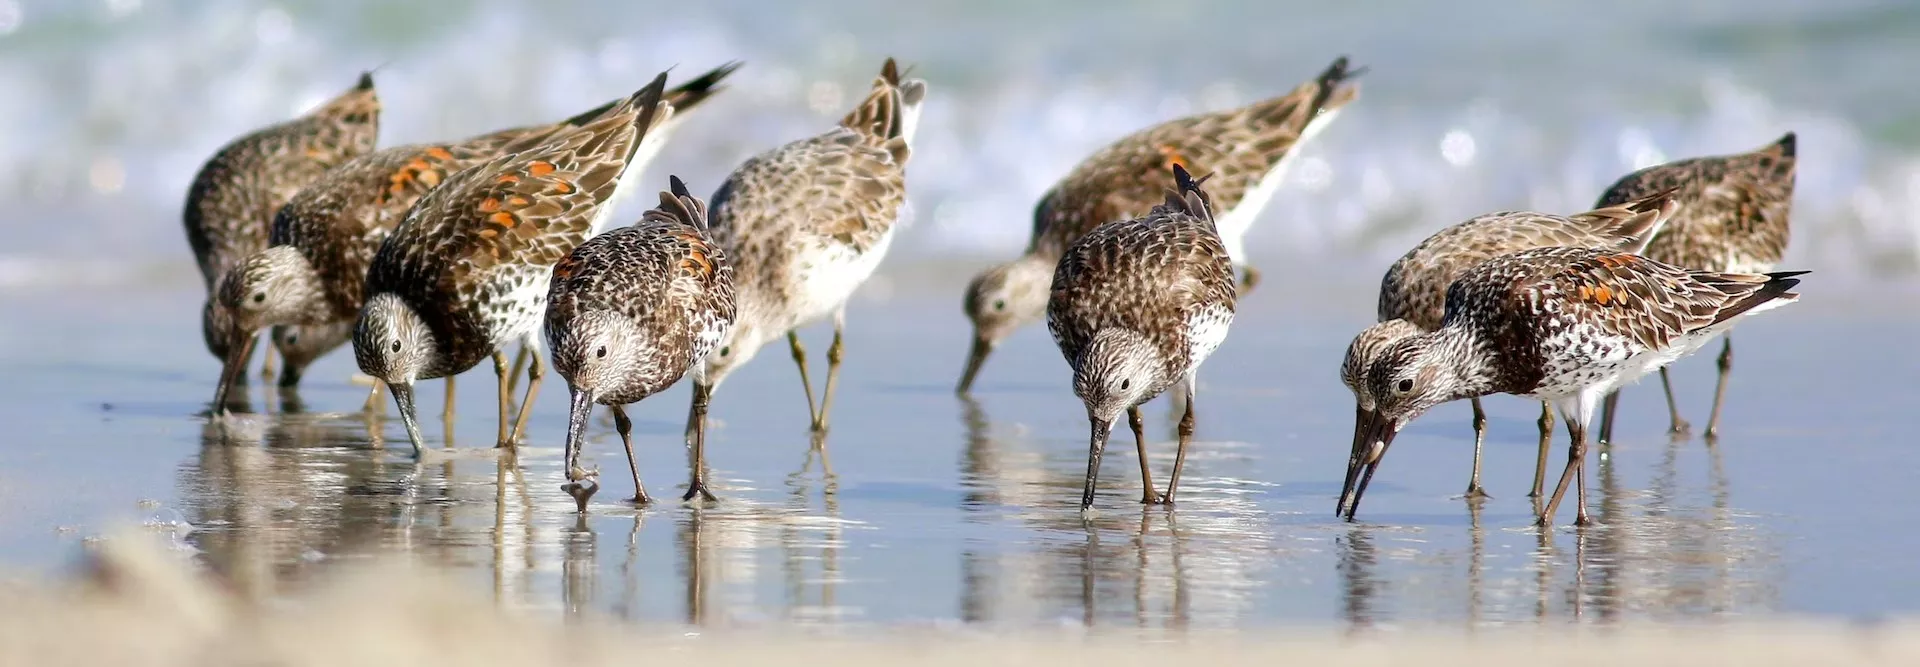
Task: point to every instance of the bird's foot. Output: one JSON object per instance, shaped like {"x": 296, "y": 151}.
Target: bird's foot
{"x": 699, "y": 489}
{"x": 1154, "y": 497}
{"x": 1680, "y": 428}
{"x": 1475, "y": 493}
{"x": 581, "y": 489}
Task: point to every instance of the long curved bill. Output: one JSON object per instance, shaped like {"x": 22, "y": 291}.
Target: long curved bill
{"x": 403, "y": 399}
{"x": 1096, "y": 446}
{"x": 578, "y": 485}
{"x": 976, "y": 357}
{"x": 1372, "y": 435}
{"x": 239, "y": 349}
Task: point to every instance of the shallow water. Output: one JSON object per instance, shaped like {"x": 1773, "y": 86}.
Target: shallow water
{"x": 938, "y": 510}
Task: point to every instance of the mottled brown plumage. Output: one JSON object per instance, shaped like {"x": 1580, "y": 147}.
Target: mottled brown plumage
{"x": 232, "y": 201}
{"x": 1413, "y": 291}
{"x": 466, "y": 273}
{"x": 1136, "y": 306}
{"x": 1564, "y": 325}
{"x": 331, "y": 230}
{"x": 1243, "y": 151}
{"x": 629, "y": 313}
{"x": 1733, "y": 217}
{"x": 808, "y": 222}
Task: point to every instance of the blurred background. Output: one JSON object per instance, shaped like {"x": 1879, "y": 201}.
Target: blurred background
{"x": 1470, "y": 106}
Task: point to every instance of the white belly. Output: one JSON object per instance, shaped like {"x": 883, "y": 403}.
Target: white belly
{"x": 827, "y": 276}
{"x": 1235, "y": 223}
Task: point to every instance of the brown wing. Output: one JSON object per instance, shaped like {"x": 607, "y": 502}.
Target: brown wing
{"x": 1630, "y": 296}
{"x": 1232, "y": 148}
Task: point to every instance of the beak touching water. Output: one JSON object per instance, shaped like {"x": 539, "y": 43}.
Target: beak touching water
{"x": 580, "y": 484}
{"x": 1096, "y": 446}
{"x": 976, "y": 357}
{"x": 239, "y": 349}
{"x": 1372, "y": 435}
{"x": 403, "y": 399}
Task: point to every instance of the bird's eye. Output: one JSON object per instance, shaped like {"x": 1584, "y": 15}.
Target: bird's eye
{"x": 1000, "y": 304}
{"x": 259, "y": 297}
{"x": 1404, "y": 386}
{"x": 1126, "y": 384}
{"x": 396, "y": 346}
{"x": 725, "y": 350}
{"x": 600, "y": 353}
{"x": 293, "y": 339}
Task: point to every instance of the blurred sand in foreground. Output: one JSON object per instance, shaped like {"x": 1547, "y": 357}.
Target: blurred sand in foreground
{"x": 139, "y": 604}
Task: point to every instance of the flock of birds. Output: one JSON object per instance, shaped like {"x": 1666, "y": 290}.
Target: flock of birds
{"x": 432, "y": 258}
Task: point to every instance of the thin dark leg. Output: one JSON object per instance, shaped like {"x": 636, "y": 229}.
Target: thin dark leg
{"x": 697, "y": 478}
{"x": 1180, "y": 455}
{"x": 1720, "y": 390}
{"x": 800, "y": 359}
{"x": 1678, "y": 426}
{"x": 1474, "y": 492}
{"x": 834, "y": 354}
{"x": 1606, "y": 417}
{"x": 625, "y": 427}
{"x": 1546, "y": 441}
{"x": 506, "y": 396}
{"x": 1576, "y": 453}
{"x": 1151, "y": 495}
{"x": 534, "y": 373}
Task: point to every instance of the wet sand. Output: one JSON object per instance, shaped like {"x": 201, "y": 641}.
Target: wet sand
{"x": 139, "y": 605}
{"x": 940, "y": 511}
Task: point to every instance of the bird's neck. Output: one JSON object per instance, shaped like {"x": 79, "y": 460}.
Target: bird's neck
{"x": 1471, "y": 368}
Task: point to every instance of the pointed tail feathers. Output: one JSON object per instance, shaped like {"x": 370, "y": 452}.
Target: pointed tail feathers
{"x": 1752, "y": 293}
{"x": 690, "y": 94}
{"x": 1188, "y": 197}
{"x": 891, "y": 109}
{"x": 679, "y": 206}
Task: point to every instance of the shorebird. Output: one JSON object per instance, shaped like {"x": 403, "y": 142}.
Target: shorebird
{"x": 233, "y": 199}
{"x": 806, "y": 224}
{"x": 1245, "y": 151}
{"x": 466, "y": 273}
{"x": 310, "y": 283}
{"x": 1733, "y": 218}
{"x": 629, "y": 313}
{"x": 1414, "y": 290}
{"x": 1136, "y": 306}
{"x": 1563, "y": 325}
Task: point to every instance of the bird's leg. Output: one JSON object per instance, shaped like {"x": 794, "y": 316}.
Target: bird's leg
{"x": 1474, "y": 492}
{"x": 1546, "y": 441}
{"x": 834, "y": 354}
{"x": 446, "y": 411}
{"x": 800, "y": 359}
{"x": 1606, "y": 417}
{"x": 535, "y": 371}
{"x": 506, "y": 396}
{"x": 696, "y": 481}
{"x": 1151, "y": 495}
{"x": 519, "y": 364}
{"x": 1679, "y": 427}
{"x": 1575, "y": 468}
{"x": 1186, "y": 438}
{"x": 373, "y": 405}
{"x": 1249, "y": 277}
{"x": 266, "y": 363}
{"x": 1579, "y": 431}
{"x": 1720, "y": 390}
{"x": 625, "y": 427}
